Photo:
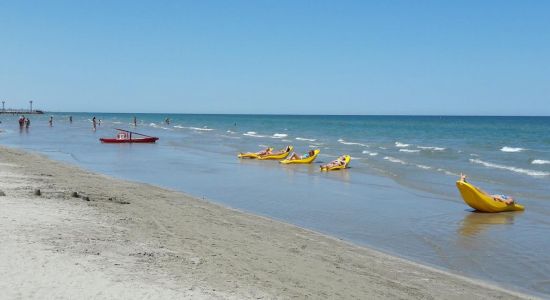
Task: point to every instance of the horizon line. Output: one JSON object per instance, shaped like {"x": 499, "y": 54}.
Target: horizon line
{"x": 298, "y": 114}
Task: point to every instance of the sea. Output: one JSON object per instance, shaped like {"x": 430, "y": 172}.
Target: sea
{"x": 398, "y": 196}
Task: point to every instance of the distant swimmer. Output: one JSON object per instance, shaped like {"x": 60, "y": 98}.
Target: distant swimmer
{"x": 51, "y": 121}
{"x": 71, "y": 119}
{"x": 94, "y": 123}
{"x": 98, "y": 122}
{"x": 500, "y": 198}
{"x": 21, "y": 121}
{"x": 135, "y": 121}
{"x": 167, "y": 121}
{"x": 27, "y": 122}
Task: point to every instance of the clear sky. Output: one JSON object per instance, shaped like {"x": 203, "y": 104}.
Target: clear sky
{"x": 297, "y": 57}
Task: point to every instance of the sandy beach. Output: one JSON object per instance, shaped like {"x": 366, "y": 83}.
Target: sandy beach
{"x": 126, "y": 240}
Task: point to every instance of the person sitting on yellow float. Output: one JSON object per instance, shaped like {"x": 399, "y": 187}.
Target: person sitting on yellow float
{"x": 501, "y": 198}
{"x": 295, "y": 156}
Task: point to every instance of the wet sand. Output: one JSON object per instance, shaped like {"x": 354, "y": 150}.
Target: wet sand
{"x": 121, "y": 239}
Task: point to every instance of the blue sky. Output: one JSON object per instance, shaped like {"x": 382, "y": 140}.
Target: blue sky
{"x": 297, "y": 57}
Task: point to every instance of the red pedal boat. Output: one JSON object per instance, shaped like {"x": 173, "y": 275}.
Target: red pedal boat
{"x": 125, "y": 136}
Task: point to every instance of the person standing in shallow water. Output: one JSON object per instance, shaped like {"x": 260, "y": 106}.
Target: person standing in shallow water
{"x": 71, "y": 119}
{"x": 27, "y": 122}
{"x": 135, "y": 121}
{"x": 51, "y": 121}
{"x": 94, "y": 123}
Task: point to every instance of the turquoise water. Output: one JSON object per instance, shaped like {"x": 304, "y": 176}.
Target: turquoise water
{"x": 398, "y": 196}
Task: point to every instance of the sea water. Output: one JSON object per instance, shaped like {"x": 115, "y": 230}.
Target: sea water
{"x": 398, "y": 195}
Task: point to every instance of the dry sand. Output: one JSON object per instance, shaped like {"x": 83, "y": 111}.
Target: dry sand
{"x": 134, "y": 241}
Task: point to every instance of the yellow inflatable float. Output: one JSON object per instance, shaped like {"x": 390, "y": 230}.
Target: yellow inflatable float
{"x": 252, "y": 154}
{"x": 479, "y": 200}
{"x": 281, "y": 154}
{"x": 347, "y": 159}
{"x": 306, "y": 160}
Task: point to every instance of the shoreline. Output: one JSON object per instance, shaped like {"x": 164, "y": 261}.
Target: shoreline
{"x": 179, "y": 246}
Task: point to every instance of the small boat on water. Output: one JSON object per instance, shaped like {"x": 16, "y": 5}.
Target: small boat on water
{"x": 125, "y": 136}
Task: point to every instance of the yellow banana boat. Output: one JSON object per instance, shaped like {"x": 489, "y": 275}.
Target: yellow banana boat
{"x": 250, "y": 154}
{"x": 281, "y": 155}
{"x": 480, "y": 201}
{"x": 306, "y": 160}
{"x": 347, "y": 159}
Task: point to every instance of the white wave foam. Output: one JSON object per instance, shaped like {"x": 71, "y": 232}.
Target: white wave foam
{"x": 200, "y": 129}
{"x": 370, "y": 153}
{"x": 152, "y": 124}
{"x": 513, "y": 169}
{"x": 394, "y": 160}
{"x": 179, "y": 126}
{"x": 511, "y": 149}
{"x": 304, "y": 139}
{"x": 253, "y": 134}
{"x": 408, "y": 150}
{"x": 540, "y": 162}
{"x": 424, "y": 167}
{"x": 117, "y": 122}
{"x": 473, "y": 154}
{"x": 341, "y": 141}
{"x": 447, "y": 172}
{"x": 229, "y": 131}
{"x": 285, "y": 140}
{"x": 431, "y": 148}
{"x": 401, "y": 145}
{"x": 279, "y": 135}
{"x": 230, "y": 136}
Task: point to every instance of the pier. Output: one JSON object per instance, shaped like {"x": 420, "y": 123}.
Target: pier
{"x": 21, "y": 111}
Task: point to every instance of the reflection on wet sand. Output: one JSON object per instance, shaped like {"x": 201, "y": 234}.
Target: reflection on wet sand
{"x": 343, "y": 175}
{"x": 476, "y": 222}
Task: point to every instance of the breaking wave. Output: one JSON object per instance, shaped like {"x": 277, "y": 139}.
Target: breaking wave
{"x": 401, "y": 145}
{"x": 304, "y": 139}
{"x": 253, "y": 134}
{"x": 370, "y": 153}
{"x": 431, "y": 148}
{"x": 513, "y": 169}
{"x": 424, "y": 167}
{"x": 341, "y": 141}
{"x": 511, "y": 149}
{"x": 408, "y": 150}
{"x": 200, "y": 129}
{"x": 394, "y": 160}
{"x": 279, "y": 135}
